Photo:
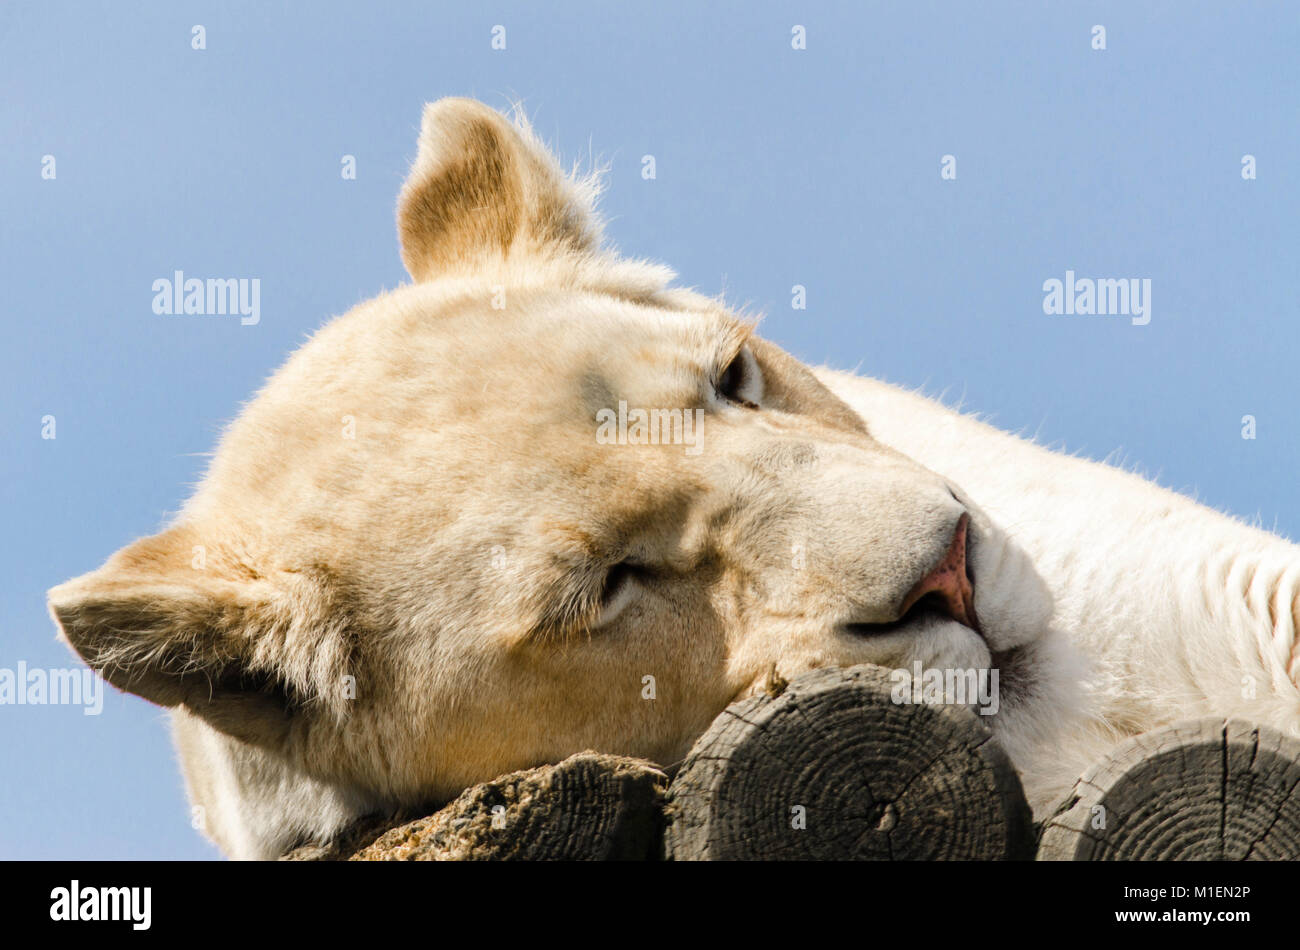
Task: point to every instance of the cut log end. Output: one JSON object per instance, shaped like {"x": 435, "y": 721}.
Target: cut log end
{"x": 587, "y": 808}
{"x": 1208, "y": 789}
{"x": 833, "y": 768}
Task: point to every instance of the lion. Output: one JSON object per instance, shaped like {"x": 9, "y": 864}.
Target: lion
{"x": 540, "y": 501}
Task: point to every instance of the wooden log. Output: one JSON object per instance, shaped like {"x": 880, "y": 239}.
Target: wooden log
{"x": 349, "y": 841}
{"x": 832, "y": 768}
{"x": 1206, "y": 789}
{"x": 587, "y": 808}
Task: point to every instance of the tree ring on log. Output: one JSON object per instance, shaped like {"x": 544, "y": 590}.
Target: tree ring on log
{"x": 587, "y": 808}
{"x": 1204, "y": 789}
{"x": 834, "y": 768}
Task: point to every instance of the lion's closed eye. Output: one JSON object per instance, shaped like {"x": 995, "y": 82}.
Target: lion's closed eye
{"x": 622, "y": 584}
{"x": 741, "y": 382}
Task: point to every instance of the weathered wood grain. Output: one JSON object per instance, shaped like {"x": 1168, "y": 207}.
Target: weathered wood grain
{"x": 834, "y": 768}
{"x": 587, "y": 808}
{"x": 1208, "y": 789}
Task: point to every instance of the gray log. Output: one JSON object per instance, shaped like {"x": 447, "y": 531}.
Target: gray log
{"x": 588, "y": 808}
{"x": 876, "y": 780}
{"x": 1205, "y": 789}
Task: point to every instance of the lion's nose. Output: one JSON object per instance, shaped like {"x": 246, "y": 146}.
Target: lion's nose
{"x": 948, "y": 585}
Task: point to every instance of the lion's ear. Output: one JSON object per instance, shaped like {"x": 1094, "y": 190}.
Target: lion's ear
{"x": 484, "y": 187}
{"x": 164, "y": 619}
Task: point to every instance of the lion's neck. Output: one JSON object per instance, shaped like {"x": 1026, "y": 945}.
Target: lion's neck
{"x": 1182, "y": 611}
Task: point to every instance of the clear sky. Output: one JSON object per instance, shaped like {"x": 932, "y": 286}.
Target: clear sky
{"x": 774, "y": 167}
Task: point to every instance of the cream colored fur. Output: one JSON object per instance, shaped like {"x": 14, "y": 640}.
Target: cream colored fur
{"x": 1180, "y": 611}
{"x": 390, "y": 584}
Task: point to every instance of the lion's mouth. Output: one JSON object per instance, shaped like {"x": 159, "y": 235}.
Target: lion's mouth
{"x": 929, "y": 609}
{"x": 946, "y": 592}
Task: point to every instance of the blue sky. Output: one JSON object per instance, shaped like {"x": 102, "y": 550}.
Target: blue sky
{"x": 774, "y": 167}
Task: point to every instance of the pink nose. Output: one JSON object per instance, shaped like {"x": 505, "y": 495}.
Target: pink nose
{"x": 948, "y": 582}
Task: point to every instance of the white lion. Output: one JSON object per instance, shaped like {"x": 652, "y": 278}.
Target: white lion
{"x": 422, "y": 557}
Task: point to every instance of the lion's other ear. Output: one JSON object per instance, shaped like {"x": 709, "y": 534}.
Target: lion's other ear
{"x": 165, "y": 620}
{"x": 483, "y": 187}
